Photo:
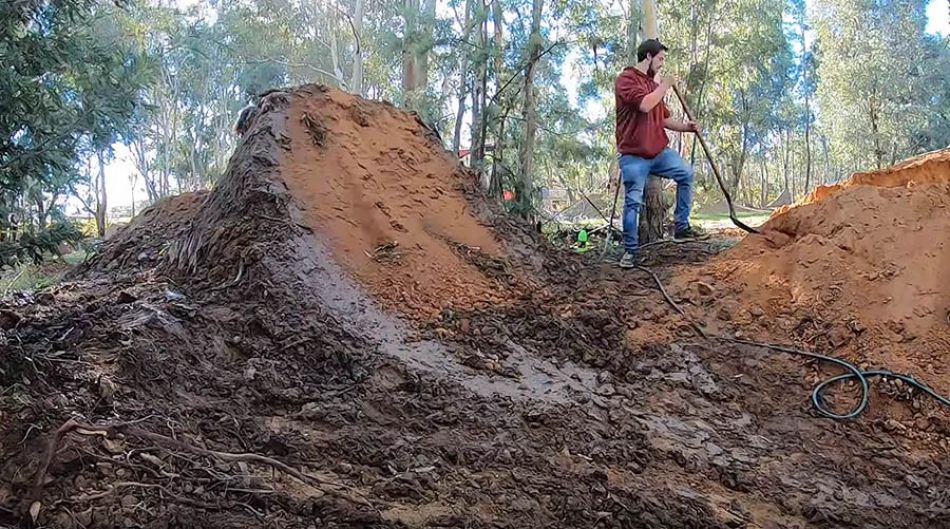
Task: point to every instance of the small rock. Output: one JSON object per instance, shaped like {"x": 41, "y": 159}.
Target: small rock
{"x": 606, "y": 390}
{"x": 128, "y": 501}
{"x": 345, "y": 468}
{"x": 465, "y": 326}
{"x": 922, "y": 424}
{"x": 84, "y": 518}
{"x": 756, "y": 311}
{"x": 892, "y": 425}
{"x": 915, "y": 482}
{"x": 121, "y": 473}
{"x": 9, "y": 319}
{"x": 724, "y": 314}
{"x": 113, "y": 446}
{"x": 704, "y": 289}
{"x": 124, "y": 298}
{"x": 155, "y": 461}
{"x": 107, "y": 388}
{"x": 62, "y": 520}
{"x": 171, "y": 295}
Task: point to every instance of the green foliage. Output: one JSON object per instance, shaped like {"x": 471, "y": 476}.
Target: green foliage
{"x": 35, "y": 244}
{"x": 68, "y": 87}
{"x": 836, "y": 85}
{"x": 878, "y": 72}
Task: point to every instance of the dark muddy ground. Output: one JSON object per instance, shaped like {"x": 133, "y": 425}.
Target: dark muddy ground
{"x": 673, "y": 434}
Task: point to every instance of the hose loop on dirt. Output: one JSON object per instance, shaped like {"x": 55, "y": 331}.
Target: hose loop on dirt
{"x": 854, "y": 374}
{"x": 817, "y": 400}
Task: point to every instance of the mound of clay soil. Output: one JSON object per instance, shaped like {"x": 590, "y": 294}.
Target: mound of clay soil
{"x": 390, "y": 200}
{"x": 861, "y": 268}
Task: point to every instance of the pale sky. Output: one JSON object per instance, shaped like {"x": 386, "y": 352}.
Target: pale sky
{"x": 118, "y": 171}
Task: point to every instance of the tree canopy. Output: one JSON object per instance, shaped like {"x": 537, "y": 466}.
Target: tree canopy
{"x": 791, "y": 96}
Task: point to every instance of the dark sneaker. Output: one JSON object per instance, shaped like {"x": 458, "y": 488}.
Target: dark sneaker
{"x": 629, "y": 260}
{"x": 690, "y": 232}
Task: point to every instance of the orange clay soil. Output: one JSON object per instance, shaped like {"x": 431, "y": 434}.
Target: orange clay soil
{"x": 368, "y": 176}
{"x": 860, "y": 269}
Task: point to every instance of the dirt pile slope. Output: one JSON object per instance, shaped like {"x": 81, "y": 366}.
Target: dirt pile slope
{"x": 862, "y": 267}
{"x": 389, "y": 200}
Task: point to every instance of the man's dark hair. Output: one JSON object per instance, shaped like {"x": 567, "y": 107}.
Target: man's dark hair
{"x": 649, "y": 47}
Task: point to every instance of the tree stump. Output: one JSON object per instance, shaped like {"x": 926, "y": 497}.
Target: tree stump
{"x": 654, "y": 212}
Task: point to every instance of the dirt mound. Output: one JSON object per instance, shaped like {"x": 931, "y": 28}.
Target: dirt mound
{"x": 929, "y": 168}
{"x": 862, "y": 268}
{"x": 141, "y": 242}
{"x": 390, "y": 200}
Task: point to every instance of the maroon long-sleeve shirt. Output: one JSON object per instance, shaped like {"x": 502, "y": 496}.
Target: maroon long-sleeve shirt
{"x": 639, "y": 133}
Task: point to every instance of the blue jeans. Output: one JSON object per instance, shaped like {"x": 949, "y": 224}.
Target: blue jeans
{"x": 635, "y": 170}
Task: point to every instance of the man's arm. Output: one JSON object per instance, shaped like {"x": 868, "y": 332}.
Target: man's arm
{"x": 653, "y": 98}
{"x": 680, "y": 126}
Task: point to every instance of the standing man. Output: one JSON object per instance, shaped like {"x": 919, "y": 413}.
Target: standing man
{"x": 642, "y": 118}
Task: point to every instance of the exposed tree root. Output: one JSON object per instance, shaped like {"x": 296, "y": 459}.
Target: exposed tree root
{"x": 129, "y": 429}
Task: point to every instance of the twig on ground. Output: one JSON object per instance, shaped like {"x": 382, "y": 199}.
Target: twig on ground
{"x": 133, "y": 431}
{"x": 672, "y": 303}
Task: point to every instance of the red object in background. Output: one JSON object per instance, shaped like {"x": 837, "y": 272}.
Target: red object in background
{"x": 509, "y": 195}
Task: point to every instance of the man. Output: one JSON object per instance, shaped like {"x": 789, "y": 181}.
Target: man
{"x": 642, "y": 118}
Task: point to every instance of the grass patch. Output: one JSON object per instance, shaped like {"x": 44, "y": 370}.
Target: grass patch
{"x": 28, "y": 276}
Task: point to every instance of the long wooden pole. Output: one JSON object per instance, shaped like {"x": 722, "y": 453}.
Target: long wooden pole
{"x": 715, "y": 168}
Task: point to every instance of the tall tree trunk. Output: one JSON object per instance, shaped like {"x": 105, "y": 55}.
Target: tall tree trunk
{"x": 873, "y": 115}
{"x": 410, "y": 72}
{"x": 785, "y": 149}
{"x": 807, "y": 112}
{"x": 334, "y": 49}
{"x": 633, "y": 30}
{"x": 416, "y": 44}
{"x": 494, "y": 186}
{"x": 425, "y": 34}
{"x": 101, "y": 198}
{"x": 356, "y": 80}
{"x": 133, "y": 179}
{"x": 463, "y": 77}
{"x": 654, "y": 211}
{"x": 526, "y": 191}
{"x": 827, "y": 170}
{"x": 479, "y": 97}
{"x": 700, "y": 101}
{"x": 498, "y": 55}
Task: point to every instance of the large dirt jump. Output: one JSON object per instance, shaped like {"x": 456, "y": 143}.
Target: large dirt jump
{"x": 344, "y": 334}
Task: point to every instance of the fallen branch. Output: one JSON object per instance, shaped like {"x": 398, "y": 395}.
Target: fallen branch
{"x": 122, "y": 484}
{"x": 129, "y": 429}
